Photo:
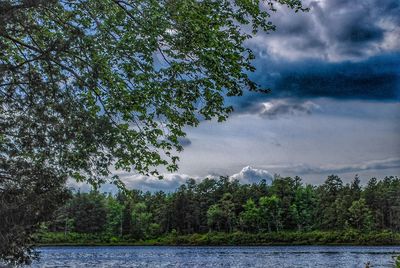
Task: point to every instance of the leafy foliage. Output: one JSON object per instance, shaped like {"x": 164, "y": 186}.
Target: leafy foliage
{"x": 87, "y": 84}
{"x": 114, "y": 82}
{"x": 89, "y": 212}
{"x": 345, "y": 237}
{"x": 26, "y": 201}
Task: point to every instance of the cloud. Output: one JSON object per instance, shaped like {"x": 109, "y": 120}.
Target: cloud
{"x": 282, "y": 107}
{"x": 340, "y": 49}
{"x": 247, "y": 175}
{"x": 184, "y": 141}
{"x": 334, "y": 30}
{"x": 369, "y": 165}
{"x": 252, "y": 175}
{"x": 303, "y": 169}
{"x": 170, "y": 182}
{"x": 375, "y": 78}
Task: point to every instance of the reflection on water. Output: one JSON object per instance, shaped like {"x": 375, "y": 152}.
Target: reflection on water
{"x": 273, "y": 256}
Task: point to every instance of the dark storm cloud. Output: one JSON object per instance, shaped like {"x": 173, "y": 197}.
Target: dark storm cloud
{"x": 360, "y": 31}
{"x": 376, "y": 78}
{"x": 352, "y": 27}
{"x": 340, "y": 49}
{"x": 334, "y": 30}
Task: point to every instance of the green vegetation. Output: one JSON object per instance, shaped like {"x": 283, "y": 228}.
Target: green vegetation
{"x": 346, "y": 237}
{"x": 89, "y": 84}
{"x": 225, "y": 212}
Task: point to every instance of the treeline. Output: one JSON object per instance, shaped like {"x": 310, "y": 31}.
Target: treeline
{"x": 227, "y": 206}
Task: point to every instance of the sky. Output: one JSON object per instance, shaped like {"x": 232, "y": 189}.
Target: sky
{"x": 334, "y": 108}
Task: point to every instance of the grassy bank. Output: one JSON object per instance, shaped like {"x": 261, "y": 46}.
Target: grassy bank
{"x": 349, "y": 237}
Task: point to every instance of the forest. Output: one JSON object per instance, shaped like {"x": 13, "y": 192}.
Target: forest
{"x": 224, "y": 211}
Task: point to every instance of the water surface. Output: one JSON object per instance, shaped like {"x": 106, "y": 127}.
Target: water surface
{"x": 268, "y": 256}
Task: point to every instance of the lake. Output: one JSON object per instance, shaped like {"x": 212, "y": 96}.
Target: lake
{"x": 236, "y": 256}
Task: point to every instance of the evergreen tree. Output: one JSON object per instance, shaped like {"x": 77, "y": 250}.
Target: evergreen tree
{"x": 88, "y": 212}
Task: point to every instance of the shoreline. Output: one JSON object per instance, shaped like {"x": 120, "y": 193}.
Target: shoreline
{"x": 312, "y": 238}
{"x": 222, "y": 245}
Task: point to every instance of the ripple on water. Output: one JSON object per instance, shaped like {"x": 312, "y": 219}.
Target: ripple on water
{"x": 204, "y": 257}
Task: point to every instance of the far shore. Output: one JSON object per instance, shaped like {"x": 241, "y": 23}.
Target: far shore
{"x": 289, "y": 238}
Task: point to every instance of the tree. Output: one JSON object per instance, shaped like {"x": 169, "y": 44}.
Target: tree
{"x": 141, "y": 220}
{"x": 250, "y": 217}
{"x": 88, "y": 84}
{"x": 329, "y": 202}
{"x": 360, "y": 215}
{"x": 89, "y": 212}
{"x": 383, "y": 198}
{"x": 26, "y": 201}
{"x": 355, "y": 188}
{"x": 305, "y": 202}
{"x": 372, "y": 198}
{"x": 215, "y": 217}
{"x": 149, "y": 215}
{"x": 114, "y": 216}
{"x": 228, "y": 208}
{"x": 222, "y": 214}
{"x": 270, "y": 212}
{"x": 285, "y": 190}
{"x": 206, "y": 197}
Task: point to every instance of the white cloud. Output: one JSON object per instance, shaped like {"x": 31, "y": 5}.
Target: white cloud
{"x": 283, "y": 107}
{"x": 170, "y": 182}
{"x": 252, "y": 175}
